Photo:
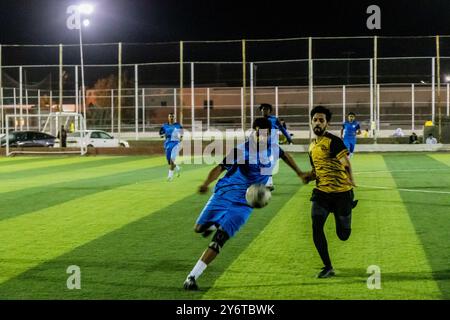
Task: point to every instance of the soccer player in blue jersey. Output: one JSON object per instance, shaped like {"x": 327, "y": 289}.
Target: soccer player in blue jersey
{"x": 349, "y": 131}
{"x": 266, "y": 110}
{"x": 227, "y": 209}
{"x": 173, "y": 133}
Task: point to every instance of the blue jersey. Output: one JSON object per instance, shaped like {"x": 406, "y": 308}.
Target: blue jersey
{"x": 245, "y": 167}
{"x": 172, "y": 133}
{"x": 350, "y": 129}
{"x": 276, "y": 124}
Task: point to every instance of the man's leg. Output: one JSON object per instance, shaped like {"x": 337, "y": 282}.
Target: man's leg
{"x": 343, "y": 216}
{"x": 219, "y": 239}
{"x": 319, "y": 215}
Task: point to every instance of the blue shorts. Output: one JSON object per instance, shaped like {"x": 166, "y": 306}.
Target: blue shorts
{"x": 230, "y": 215}
{"x": 172, "y": 150}
{"x": 350, "y": 144}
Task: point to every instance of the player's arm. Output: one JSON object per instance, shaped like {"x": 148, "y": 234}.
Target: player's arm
{"x": 162, "y": 132}
{"x": 213, "y": 175}
{"x": 358, "y": 129}
{"x": 348, "y": 167}
{"x": 339, "y": 151}
{"x": 284, "y": 131}
{"x": 287, "y": 158}
{"x": 342, "y": 131}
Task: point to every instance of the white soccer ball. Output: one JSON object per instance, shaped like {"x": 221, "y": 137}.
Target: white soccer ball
{"x": 258, "y": 196}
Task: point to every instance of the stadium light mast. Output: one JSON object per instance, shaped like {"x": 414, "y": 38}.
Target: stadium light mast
{"x": 75, "y": 22}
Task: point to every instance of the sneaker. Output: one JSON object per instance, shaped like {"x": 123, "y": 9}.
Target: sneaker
{"x": 190, "y": 283}
{"x": 326, "y": 272}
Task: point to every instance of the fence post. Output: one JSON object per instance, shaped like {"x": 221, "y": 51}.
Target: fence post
{"x": 433, "y": 89}
{"x": 276, "y": 102}
{"x": 21, "y": 96}
{"x": 413, "y": 101}
{"x": 39, "y": 109}
{"x": 208, "y": 106}
{"x": 143, "y": 110}
{"x": 310, "y": 81}
{"x": 244, "y": 84}
{"x": 112, "y": 111}
{"x": 343, "y": 103}
{"x": 252, "y": 94}
{"x": 136, "y": 102}
{"x": 192, "y": 99}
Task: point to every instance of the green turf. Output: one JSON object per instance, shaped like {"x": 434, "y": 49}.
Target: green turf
{"x": 131, "y": 233}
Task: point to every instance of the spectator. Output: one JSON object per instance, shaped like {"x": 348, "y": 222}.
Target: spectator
{"x": 431, "y": 139}
{"x": 413, "y": 138}
{"x": 62, "y": 135}
{"x": 399, "y": 132}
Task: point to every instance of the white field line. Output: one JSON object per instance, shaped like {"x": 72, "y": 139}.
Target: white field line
{"x": 401, "y": 189}
{"x": 406, "y": 170}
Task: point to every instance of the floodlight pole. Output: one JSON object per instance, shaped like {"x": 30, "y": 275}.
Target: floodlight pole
{"x": 83, "y": 88}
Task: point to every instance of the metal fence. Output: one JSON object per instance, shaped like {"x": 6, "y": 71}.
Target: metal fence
{"x": 389, "y": 82}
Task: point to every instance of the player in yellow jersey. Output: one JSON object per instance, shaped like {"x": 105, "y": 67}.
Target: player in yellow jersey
{"x": 332, "y": 172}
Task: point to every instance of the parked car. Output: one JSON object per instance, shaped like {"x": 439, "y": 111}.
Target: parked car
{"x": 95, "y": 138}
{"x": 28, "y": 139}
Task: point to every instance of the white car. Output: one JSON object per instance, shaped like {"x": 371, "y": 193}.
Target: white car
{"x": 96, "y": 139}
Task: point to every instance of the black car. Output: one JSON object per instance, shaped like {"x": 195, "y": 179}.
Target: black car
{"x": 29, "y": 139}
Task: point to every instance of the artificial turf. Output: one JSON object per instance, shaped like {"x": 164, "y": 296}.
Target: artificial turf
{"x": 131, "y": 232}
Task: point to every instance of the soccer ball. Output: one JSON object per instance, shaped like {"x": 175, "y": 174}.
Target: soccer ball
{"x": 258, "y": 196}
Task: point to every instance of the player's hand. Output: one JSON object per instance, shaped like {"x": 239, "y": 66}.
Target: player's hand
{"x": 203, "y": 189}
{"x": 306, "y": 177}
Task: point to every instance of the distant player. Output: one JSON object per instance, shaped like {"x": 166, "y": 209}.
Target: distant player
{"x": 349, "y": 131}
{"x": 227, "y": 209}
{"x": 266, "y": 110}
{"x": 334, "y": 186}
{"x": 173, "y": 133}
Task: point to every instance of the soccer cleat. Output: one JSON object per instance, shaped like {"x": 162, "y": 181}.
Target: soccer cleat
{"x": 326, "y": 272}
{"x": 190, "y": 283}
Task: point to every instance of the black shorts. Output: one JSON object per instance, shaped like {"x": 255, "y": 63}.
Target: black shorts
{"x": 340, "y": 203}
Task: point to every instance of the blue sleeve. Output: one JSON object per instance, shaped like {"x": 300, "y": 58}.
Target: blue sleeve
{"x": 284, "y": 131}
{"x": 358, "y": 127}
{"x": 230, "y": 159}
{"x": 162, "y": 131}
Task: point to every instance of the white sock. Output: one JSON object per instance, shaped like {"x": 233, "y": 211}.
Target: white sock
{"x": 170, "y": 174}
{"x": 270, "y": 181}
{"x": 198, "y": 269}
{"x": 177, "y": 168}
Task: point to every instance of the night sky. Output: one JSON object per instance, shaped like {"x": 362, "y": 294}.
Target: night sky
{"x": 43, "y": 21}
{"x": 150, "y": 21}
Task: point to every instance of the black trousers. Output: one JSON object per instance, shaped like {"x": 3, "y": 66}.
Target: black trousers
{"x": 323, "y": 204}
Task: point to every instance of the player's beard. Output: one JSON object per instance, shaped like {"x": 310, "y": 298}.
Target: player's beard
{"x": 318, "y": 131}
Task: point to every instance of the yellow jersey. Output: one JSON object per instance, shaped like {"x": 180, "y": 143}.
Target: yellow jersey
{"x": 325, "y": 153}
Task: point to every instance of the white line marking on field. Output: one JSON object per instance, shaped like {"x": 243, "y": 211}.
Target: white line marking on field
{"x": 406, "y": 190}
{"x": 406, "y": 170}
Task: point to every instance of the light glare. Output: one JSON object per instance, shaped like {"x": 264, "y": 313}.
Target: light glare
{"x": 86, "y": 8}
